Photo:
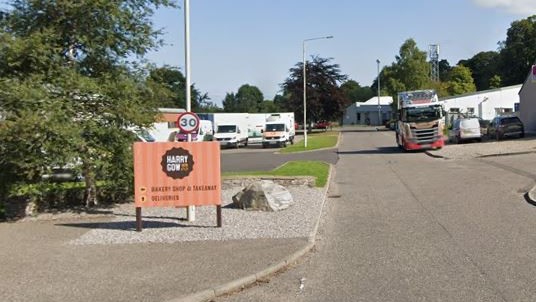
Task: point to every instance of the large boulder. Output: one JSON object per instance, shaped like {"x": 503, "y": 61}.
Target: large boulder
{"x": 263, "y": 195}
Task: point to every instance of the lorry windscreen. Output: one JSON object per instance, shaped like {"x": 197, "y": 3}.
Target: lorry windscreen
{"x": 227, "y": 129}
{"x": 275, "y": 127}
{"x": 422, "y": 114}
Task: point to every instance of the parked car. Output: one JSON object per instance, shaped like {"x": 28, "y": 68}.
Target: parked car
{"x": 321, "y": 125}
{"x": 465, "y": 129}
{"x": 506, "y": 126}
{"x": 483, "y": 126}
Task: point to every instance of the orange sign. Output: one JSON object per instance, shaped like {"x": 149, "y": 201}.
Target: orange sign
{"x": 177, "y": 174}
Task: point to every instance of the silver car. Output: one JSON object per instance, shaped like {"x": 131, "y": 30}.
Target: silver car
{"x": 466, "y": 129}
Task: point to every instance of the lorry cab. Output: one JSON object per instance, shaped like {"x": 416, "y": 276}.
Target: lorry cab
{"x": 420, "y": 122}
{"x": 277, "y": 134}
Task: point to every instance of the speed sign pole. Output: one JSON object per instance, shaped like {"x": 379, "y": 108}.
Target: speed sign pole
{"x": 188, "y": 122}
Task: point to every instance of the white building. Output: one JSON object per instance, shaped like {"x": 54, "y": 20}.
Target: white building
{"x": 366, "y": 113}
{"x": 484, "y": 104}
{"x": 527, "y": 100}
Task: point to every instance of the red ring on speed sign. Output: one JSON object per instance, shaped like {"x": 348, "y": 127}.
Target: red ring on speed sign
{"x": 188, "y": 122}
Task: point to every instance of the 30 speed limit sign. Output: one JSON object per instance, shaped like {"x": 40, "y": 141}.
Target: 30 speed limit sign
{"x": 188, "y": 122}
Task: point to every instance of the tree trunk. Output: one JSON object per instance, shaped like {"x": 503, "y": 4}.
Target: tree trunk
{"x": 90, "y": 195}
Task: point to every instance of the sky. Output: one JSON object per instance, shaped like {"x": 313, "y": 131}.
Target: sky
{"x": 256, "y": 42}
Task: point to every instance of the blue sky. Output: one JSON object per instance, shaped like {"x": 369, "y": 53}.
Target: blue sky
{"x": 256, "y": 42}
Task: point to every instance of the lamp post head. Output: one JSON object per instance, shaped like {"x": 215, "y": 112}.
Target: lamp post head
{"x": 378, "y": 61}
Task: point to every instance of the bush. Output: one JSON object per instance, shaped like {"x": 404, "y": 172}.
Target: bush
{"x": 58, "y": 196}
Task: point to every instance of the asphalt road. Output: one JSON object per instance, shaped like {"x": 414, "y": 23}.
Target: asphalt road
{"x": 408, "y": 227}
{"x": 256, "y": 158}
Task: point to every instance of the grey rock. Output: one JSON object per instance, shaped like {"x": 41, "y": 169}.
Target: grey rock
{"x": 264, "y": 195}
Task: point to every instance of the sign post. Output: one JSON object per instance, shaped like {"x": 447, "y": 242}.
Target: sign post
{"x": 188, "y": 123}
{"x": 177, "y": 175}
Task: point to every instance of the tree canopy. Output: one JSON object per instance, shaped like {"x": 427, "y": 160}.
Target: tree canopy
{"x": 248, "y": 99}
{"x": 518, "y": 52}
{"x": 68, "y": 91}
{"x": 325, "y": 99}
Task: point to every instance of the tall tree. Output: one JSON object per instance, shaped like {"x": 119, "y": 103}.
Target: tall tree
{"x": 325, "y": 99}
{"x": 410, "y": 71}
{"x": 167, "y": 85}
{"x": 411, "y": 67}
{"x": 355, "y": 93}
{"x": 67, "y": 88}
{"x": 230, "y": 103}
{"x": 483, "y": 66}
{"x": 249, "y": 99}
{"x": 444, "y": 69}
{"x": 518, "y": 52}
{"x": 461, "y": 81}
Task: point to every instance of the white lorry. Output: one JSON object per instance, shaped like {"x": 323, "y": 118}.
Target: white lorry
{"x": 256, "y": 123}
{"x": 279, "y": 130}
{"x": 231, "y": 129}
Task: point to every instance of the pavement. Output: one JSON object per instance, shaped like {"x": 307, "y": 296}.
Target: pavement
{"x": 39, "y": 263}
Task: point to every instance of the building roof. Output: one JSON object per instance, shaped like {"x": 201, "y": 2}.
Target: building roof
{"x": 481, "y": 92}
{"x": 384, "y": 101}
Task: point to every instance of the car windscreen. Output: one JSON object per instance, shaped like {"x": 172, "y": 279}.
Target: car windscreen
{"x": 227, "y": 129}
{"x": 469, "y": 123}
{"x": 275, "y": 127}
{"x": 510, "y": 120}
{"x": 422, "y": 114}
{"x": 145, "y": 135}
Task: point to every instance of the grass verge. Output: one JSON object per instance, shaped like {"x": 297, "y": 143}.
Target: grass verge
{"x": 314, "y": 141}
{"x": 317, "y": 169}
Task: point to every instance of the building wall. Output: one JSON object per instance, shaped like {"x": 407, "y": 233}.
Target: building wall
{"x": 527, "y": 106}
{"x": 485, "y": 104}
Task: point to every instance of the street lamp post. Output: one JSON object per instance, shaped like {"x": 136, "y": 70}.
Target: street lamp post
{"x": 305, "y": 88}
{"x": 379, "y": 106}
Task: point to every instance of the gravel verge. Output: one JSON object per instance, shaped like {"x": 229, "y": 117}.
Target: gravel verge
{"x": 489, "y": 148}
{"x": 169, "y": 225}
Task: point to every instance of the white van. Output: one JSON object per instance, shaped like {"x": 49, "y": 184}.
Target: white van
{"x": 204, "y": 133}
{"x": 465, "y": 129}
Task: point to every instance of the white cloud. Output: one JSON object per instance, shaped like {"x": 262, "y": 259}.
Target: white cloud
{"x": 518, "y": 7}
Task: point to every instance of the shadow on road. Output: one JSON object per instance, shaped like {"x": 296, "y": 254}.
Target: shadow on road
{"x": 380, "y": 150}
{"x": 131, "y": 225}
{"x": 381, "y": 129}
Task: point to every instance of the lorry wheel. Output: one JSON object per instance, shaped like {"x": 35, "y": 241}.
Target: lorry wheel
{"x": 292, "y": 141}
{"x": 284, "y": 144}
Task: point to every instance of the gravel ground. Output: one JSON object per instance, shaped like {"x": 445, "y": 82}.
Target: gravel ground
{"x": 472, "y": 150}
{"x": 168, "y": 225}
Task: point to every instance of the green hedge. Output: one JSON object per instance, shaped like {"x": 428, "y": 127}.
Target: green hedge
{"x": 57, "y": 196}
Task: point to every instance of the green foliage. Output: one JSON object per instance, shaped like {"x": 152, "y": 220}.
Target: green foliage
{"x": 355, "y": 93}
{"x": 518, "y": 52}
{"x": 166, "y": 87}
{"x": 460, "y": 81}
{"x": 68, "y": 93}
{"x": 268, "y": 107}
{"x": 483, "y": 66}
{"x": 247, "y": 99}
{"x": 325, "y": 99}
{"x": 495, "y": 82}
